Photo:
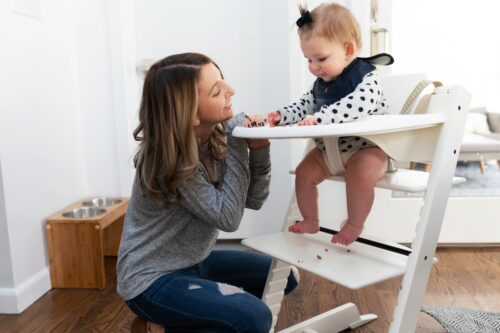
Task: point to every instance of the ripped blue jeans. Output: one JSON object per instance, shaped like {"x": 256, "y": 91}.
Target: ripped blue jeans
{"x": 207, "y": 297}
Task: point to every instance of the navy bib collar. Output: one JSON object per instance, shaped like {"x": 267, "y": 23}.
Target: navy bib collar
{"x": 327, "y": 93}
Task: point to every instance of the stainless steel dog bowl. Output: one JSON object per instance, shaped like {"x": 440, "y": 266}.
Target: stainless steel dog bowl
{"x": 84, "y": 212}
{"x": 101, "y": 202}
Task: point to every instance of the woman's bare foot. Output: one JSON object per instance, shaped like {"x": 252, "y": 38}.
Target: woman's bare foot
{"x": 347, "y": 234}
{"x": 305, "y": 227}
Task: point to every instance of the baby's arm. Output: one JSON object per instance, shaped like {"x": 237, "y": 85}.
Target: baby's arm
{"x": 295, "y": 112}
{"x": 273, "y": 118}
{"x": 367, "y": 99}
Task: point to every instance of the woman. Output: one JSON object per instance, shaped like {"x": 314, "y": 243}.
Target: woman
{"x": 192, "y": 180}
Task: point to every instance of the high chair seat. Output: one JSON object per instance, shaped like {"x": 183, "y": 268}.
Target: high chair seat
{"x": 404, "y": 180}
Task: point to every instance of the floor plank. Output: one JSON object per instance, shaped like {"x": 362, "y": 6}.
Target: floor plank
{"x": 465, "y": 277}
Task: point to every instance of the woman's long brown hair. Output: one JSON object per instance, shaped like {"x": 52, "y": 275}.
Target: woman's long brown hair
{"x": 168, "y": 150}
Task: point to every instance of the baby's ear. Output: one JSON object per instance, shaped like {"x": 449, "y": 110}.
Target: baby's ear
{"x": 350, "y": 50}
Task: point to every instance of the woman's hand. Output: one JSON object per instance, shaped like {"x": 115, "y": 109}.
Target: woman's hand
{"x": 255, "y": 120}
{"x": 257, "y": 143}
{"x": 273, "y": 118}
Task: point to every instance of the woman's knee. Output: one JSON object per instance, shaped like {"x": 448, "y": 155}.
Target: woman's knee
{"x": 258, "y": 320}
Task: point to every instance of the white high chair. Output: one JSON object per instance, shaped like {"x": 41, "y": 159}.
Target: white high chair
{"x": 433, "y": 136}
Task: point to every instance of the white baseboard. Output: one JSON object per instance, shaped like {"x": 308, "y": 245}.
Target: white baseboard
{"x": 16, "y": 300}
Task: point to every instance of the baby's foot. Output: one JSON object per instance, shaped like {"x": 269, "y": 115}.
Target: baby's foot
{"x": 305, "y": 227}
{"x": 347, "y": 234}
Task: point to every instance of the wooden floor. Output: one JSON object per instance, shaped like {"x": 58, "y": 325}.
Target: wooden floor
{"x": 463, "y": 277}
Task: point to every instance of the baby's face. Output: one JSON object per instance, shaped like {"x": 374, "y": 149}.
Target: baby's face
{"x": 327, "y": 59}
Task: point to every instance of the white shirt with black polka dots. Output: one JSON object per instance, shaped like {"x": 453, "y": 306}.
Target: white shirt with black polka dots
{"x": 367, "y": 99}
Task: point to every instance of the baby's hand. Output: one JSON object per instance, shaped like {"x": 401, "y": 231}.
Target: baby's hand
{"x": 309, "y": 120}
{"x": 273, "y": 118}
{"x": 255, "y": 120}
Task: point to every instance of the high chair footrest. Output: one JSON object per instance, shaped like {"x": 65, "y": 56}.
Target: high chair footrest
{"x": 356, "y": 266}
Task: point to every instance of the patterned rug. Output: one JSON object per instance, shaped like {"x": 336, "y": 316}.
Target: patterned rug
{"x": 462, "y": 320}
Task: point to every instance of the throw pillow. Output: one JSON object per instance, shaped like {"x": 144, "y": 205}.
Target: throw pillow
{"x": 477, "y": 123}
{"x": 494, "y": 121}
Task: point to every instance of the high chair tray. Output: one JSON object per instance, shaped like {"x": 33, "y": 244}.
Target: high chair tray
{"x": 364, "y": 126}
{"x": 354, "y": 267}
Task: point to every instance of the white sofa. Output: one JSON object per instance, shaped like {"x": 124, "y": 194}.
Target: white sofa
{"x": 481, "y": 141}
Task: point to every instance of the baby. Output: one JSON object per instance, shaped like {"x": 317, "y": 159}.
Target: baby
{"x": 346, "y": 89}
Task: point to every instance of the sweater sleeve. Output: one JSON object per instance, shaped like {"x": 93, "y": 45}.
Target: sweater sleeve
{"x": 221, "y": 207}
{"x": 297, "y": 111}
{"x": 260, "y": 177}
{"x": 366, "y": 99}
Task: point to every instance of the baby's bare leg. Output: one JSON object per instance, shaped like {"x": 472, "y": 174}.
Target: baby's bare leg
{"x": 362, "y": 171}
{"x": 310, "y": 172}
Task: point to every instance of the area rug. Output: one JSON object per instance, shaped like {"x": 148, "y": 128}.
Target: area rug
{"x": 462, "y": 320}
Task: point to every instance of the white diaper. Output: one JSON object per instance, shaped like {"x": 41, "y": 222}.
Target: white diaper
{"x": 336, "y": 164}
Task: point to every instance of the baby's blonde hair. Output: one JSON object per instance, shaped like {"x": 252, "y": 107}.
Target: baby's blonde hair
{"x": 332, "y": 21}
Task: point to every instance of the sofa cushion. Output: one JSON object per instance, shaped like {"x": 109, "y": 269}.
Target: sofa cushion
{"x": 494, "y": 121}
{"x": 472, "y": 143}
{"x": 495, "y": 136}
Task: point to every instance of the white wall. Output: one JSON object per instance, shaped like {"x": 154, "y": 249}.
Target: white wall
{"x": 40, "y": 129}
{"x": 455, "y": 42}
{"x": 56, "y": 131}
{"x": 250, "y": 42}
{"x": 90, "y": 43}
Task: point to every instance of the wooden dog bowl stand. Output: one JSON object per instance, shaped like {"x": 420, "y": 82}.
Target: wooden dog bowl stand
{"x": 77, "y": 246}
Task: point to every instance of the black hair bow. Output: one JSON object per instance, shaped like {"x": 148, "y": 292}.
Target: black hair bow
{"x": 304, "y": 19}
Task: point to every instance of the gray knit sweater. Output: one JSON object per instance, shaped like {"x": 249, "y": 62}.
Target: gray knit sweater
{"x": 157, "y": 241}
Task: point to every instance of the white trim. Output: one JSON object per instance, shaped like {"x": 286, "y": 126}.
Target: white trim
{"x": 16, "y": 300}
{"x": 5, "y": 251}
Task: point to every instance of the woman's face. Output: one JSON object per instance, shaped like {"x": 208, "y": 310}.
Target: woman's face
{"x": 214, "y": 97}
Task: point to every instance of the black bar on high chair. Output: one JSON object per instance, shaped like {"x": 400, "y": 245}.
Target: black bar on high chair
{"x": 370, "y": 242}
